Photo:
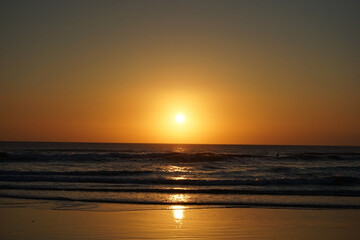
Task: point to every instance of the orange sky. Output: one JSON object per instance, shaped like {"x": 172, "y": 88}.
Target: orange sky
{"x": 242, "y": 72}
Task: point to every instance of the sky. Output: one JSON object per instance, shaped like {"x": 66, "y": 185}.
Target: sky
{"x": 241, "y": 72}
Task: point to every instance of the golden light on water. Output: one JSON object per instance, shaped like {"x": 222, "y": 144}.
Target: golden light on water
{"x": 179, "y": 178}
{"x": 174, "y": 168}
{"x": 178, "y": 198}
{"x": 178, "y": 212}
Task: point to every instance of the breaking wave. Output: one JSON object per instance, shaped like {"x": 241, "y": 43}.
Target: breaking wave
{"x": 122, "y": 177}
{"x": 68, "y": 155}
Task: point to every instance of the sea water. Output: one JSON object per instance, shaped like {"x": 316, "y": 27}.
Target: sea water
{"x": 225, "y": 175}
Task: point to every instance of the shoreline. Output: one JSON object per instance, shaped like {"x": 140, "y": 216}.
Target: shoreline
{"x": 35, "y": 219}
{"x": 192, "y": 204}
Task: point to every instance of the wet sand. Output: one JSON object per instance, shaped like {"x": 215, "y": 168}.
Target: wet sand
{"x": 20, "y": 219}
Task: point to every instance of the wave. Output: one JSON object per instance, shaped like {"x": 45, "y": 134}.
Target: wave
{"x": 208, "y": 170}
{"x": 104, "y": 155}
{"x": 237, "y": 203}
{"x": 75, "y": 173}
{"x": 330, "y": 180}
{"x": 190, "y": 191}
{"x": 322, "y": 156}
{"x": 115, "y": 156}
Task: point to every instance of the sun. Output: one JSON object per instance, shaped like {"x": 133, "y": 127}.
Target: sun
{"x": 180, "y": 118}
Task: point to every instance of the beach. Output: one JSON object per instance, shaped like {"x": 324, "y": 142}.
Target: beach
{"x": 30, "y": 219}
{"x": 179, "y": 119}
{"x": 169, "y": 191}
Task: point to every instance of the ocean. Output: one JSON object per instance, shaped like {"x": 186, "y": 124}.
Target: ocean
{"x": 181, "y": 174}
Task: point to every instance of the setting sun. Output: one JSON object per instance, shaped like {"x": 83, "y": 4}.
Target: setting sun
{"x": 180, "y": 118}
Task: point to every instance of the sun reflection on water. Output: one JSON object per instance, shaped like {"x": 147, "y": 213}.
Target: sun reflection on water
{"x": 179, "y": 178}
{"x": 174, "y": 168}
{"x": 178, "y": 198}
{"x": 179, "y": 149}
{"x": 178, "y": 214}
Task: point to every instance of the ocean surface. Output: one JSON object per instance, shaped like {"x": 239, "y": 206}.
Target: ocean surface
{"x": 222, "y": 175}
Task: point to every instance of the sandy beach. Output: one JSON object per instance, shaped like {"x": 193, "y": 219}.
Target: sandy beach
{"x": 30, "y": 219}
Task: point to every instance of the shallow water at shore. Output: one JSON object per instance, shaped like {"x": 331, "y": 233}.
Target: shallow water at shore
{"x": 33, "y": 219}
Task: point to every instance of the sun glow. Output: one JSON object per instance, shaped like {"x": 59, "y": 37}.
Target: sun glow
{"x": 180, "y": 118}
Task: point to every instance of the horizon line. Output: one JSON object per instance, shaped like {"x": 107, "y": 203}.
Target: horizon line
{"x": 155, "y": 143}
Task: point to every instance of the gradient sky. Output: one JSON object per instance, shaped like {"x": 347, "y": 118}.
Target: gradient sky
{"x": 242, "y": 72}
